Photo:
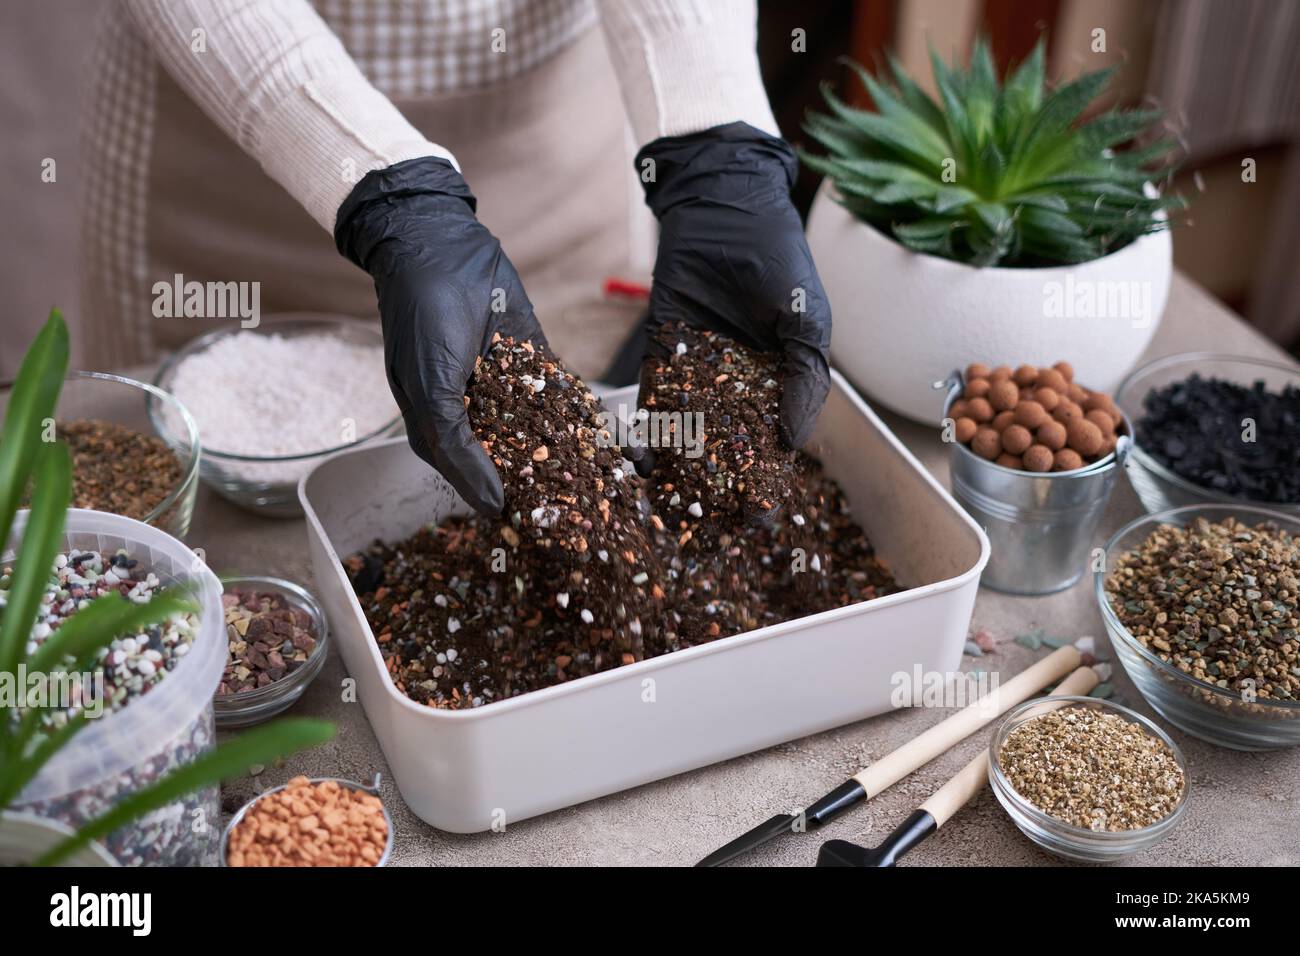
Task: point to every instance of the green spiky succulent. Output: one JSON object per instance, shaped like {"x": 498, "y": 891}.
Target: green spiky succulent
{"x": 994, "y": 173}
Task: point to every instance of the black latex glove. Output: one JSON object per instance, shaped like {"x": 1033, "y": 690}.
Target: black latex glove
{"x": 439, "y": 274}
{"x": 732, "y": 257}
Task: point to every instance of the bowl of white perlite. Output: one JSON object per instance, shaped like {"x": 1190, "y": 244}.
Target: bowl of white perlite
{"x": 272, "y": 402}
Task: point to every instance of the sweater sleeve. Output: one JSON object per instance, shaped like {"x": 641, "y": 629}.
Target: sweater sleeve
{"x": 275, "y": 77}
{"x": 687, "y": 65}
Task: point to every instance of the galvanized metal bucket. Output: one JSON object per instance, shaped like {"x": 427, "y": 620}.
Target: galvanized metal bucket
{"x": 1040, "y": 526}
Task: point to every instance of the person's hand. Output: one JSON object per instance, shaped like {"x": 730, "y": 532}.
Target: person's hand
{"x": 733, "y": 258}
{"x": 445, "y": 287}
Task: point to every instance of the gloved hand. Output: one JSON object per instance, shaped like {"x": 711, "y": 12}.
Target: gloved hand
{"x": 441, "y": 278}
{"x": 732, "y": 258}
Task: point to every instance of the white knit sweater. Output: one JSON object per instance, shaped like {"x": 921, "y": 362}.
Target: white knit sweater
{"x": 273, "y": 76}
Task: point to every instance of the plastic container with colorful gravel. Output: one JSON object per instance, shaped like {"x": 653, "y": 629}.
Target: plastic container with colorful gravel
{"x": 156, "y": 712}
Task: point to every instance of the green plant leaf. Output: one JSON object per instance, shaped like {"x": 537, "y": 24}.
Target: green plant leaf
{"x": 1116, "y": 127}
{"x": 42, "y": 536}
{"x": 837, "y": 136}
{"x": 1063, "y": 107}
{"x": 981, "y": 93}
{"x": 1043, "y": 200}
{"x": 995, "y": 216}
{"x": 898, "y": 112}
{"x": 31, "y": 401}
{"x": 261, "y": 745}
{"x": 1023, "y": 92}
{"x": 948, "y": 198}
{"x": 24, "y": 768}
{"x": 954, "y": 109}
{"x": 919, "y": 101}
{"x": 923, "y": 229}
{"x": 887, "y": 135}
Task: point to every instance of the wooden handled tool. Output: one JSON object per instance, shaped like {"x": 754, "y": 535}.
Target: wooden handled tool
{"x": 894, "y": 766}
{"x": 942, "y": 804}
{"x": 941, "y": 738}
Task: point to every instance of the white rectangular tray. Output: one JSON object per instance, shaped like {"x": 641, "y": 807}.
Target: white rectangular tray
{"x": 465, "y": 771}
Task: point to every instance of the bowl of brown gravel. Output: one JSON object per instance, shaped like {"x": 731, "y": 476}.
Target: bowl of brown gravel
{"x": 120, "y": 463}
{"x": 276, "y": 641}
{"x": 1202, "y": 605}
{"x": 1087, "y": 779}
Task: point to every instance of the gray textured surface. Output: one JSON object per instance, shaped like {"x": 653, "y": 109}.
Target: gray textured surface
{"x": 1244, "y": 808}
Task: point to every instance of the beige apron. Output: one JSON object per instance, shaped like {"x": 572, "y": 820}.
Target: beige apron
{"x": 548, "y": 154}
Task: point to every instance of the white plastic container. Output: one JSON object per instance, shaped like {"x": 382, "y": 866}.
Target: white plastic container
{"x": 153, "y": 734}
{"x": 464, "y": 771}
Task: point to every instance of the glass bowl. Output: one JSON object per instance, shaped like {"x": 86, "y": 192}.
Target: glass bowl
{"x": 1215, "y": 714}
{"x": 372, "y": 788}
{"x": 1157, "y": 486}
{"x": 254, "y": 706}
{"x": 1062, "y": 838}
{"x": 268, "y": 484}
{"x": 124, "y": 401}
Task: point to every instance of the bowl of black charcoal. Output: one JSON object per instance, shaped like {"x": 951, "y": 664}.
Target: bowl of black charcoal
{"x": 1214, "y": 429}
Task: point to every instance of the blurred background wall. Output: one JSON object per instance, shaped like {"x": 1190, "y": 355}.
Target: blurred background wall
{"x": 1225, "y": 70}
{"x": 45, "y": 55}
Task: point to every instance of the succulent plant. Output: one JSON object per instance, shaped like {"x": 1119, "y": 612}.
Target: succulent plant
{"x": 994, "y": 173}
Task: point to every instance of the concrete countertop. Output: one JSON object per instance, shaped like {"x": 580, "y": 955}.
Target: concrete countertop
{"x": 1244, "y": 807}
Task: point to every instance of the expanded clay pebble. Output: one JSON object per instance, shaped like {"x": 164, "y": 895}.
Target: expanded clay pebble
{"x": 117, "y": 469}
{"x": 1003, "y": 396}
{"x": 310, "y": 824}
{"x": 1038, "y": 458}
{"x": 1052, "y": 435}
{"x": 1031, "y": 413}
{"x": 980, "y": 410}
{"x": 1233, "y": 439}
{"x": 1219, "y": 601}
{"x": 1047, "y": 398}
{"x": 1016, "y": 439}
{"x": 570, "y": 497}
{"x": 987, "y": 443}
{"x": 1093, "y": 769}
{"x": 1084, "y": 437}
{"x": 1066, "y": 459}
{"x": 1028, "y": 418}
{"x": 742, "y": 472}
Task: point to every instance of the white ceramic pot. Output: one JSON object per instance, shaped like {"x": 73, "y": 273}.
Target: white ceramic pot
{"x": 25, "y": 836}
{"x": 904, "y": 320}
